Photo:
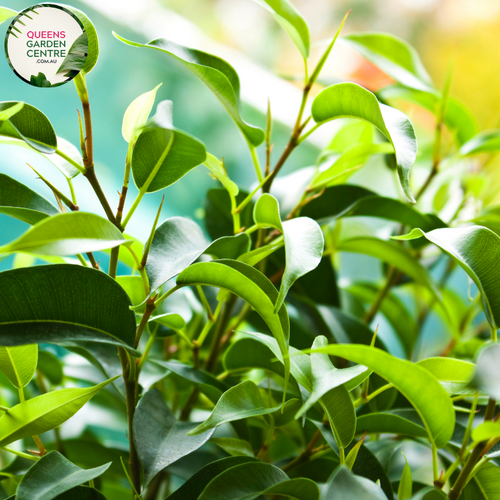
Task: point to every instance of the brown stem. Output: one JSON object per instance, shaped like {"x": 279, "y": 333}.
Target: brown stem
{"x": 89, "y": 160}
{"x": 392, "y": 277}
{"x": 292, "y": 144}
{"x": 92, "y": 178}
{"x": 150, "y": 307}
{"x": 305, "y": 455}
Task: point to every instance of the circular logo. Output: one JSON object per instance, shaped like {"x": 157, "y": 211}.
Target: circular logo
{"x": 46, "y": 45}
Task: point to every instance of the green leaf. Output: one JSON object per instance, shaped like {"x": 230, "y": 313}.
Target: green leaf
{"x": 194, "y": 486}
{"x": 219, "y": 76}
{"x": 18, "y": 364}
{"x": 406, "y": 483}
{"x": 50, "y": 367}
{"x": 347, "y": 485}
{"x": 303, "y": 242}
{"x": 178, "y": 242}
{"x": 393, "y": 56}
{"x": 29, "y": 125}
{"x": 487, "y": 376}
{"x": 137, "y": 114}
{"x": 486, "y": 431}
{"x": 40, "y": 80}
{"x": 429, "y": 493}
{"x": 159, "y": 438}
{"x": 234, "y": 447}
{"x": 484, "y": 485}
{"x": 424, "y": 392}
{"x": 253, "y": 287}
{"x": 350, "y": 460}
{"x": 44, "y": 413}
{"x": 351, "y": 100}
{"x": 162, "y": 153}
{"x": 390, "y": 423}
{"x": 93, "y": 41}
{"x": 476, "y": 250}
{"x": 20, "y": 202}
{"x": 218, "y": 171}
{"x": 458, "y": 118}
{"x": 251, "y": 480}
{"x": 76, "y": 56}
{"x": 61, "y": 303}
{"x": 82, "y": 493}
{"x": 67, "y": 234}
{"x": 53, "y": 475}
{"x": 291, "y": 21}
{"x": 6, "y": 14}
{"x": 239, "y": 402}
{"x": 487, "y": 141}
{"x": 453, "y": 374}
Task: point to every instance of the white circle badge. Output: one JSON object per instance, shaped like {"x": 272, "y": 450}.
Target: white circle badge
{"x": 46, "y": 45}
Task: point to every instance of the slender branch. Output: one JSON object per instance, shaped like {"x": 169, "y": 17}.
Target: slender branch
{"x": 305, "y": 455}
{"x": 392, "y": 276}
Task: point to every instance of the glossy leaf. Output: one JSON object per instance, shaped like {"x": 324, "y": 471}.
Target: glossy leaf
{"x": 137, "y": 114}
{"x": 29, "y": 125}
{"x": 251, "y": 480}
{"x": 303, "y": 242}
{"x": 53, "y": 475}
{"x": 52, "y": 304}
{"x": 347, "y": 485}
{"x": 423, "y": 391}
{"x": 253, "y": 287}
{"x": 6, "y": 14}
{"x": 393, "y": 56}
{"x": 178, "y": 242}
{"x": 476, "y": 250}
{"x": 291, "y": 21}
{"x": 18, "y": 364}
{"x": 215, "y": 73}
{"x": 82, "y": 493}
{"x": 453, "y": 374}
{"x": 67, "y": 234}
{"x": 487, "y": 141}
{"x": 234, "y": 447}
{"x": 406, "y": 483}
{"x": 20, "y": 202}
{"x": 351, "y": 100}
{"x": 45, "y": 412}
{"x": 486, "y": 431}
{"x": 239, "y": 402}
{"x": 76, "y": 57}
{"x": 218, "y": 171}
{"x": 380, "y": 423}
{"x": 159, "y": 438}
{"x": 162, "y": 153}
{"x": 484, "y": 485}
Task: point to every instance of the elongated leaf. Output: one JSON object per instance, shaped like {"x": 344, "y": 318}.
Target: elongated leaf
{"x": 393, "y": 56}
{"x": 379, "y": 423}
{"x": 347, "y": 485}
{"x": 194, "y": 486}
{"x": 67, "y": 234}
{"x": 234, "y": 447}
{"x": 137, "y": 114}
{"x": 251, "y": 480}
{"x": 53, "y": 475}
{"x": 429, "y": 493}
{"x": 178, "y": 242}
{"x": 347, "y": 200}
{"x": 291, "y": 21}
{"x": 406, "y": 483}
{"x": 82, "y": 493}
{"x": 303, "y": 242}
{"x": 76, "y": 57}
{"x": 159, "y": 438}
{"x": 6, "y": 14}
{"x": 486, "y": 431}
{"x": 45, "y": 412}
{"x": 215, "y": 73}
{"x": 484, "y": 485}
{"x": 18, "y": 364}
{"x": 351, "y": 100}
{"x": 253, "y": 287}
{"x": 420, "y": 387}
{"x": 487, "y": 141}
{"x": 61, "y": 303}
{"x": 20, "y": 202}
{"x": 29, "y": 125}
{"x": 476, "y": 250}
{"x": 458, "y": 118}
{"x": 454, "y": 374}
{"x": 239, "y": 402}
{"x": 217, "y": 170}
{"x": 162, "y": 153}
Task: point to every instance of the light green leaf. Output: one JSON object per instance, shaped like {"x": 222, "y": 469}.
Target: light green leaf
{"x": 303, "y": 242}
{"x": 6, "y": 14}
{"x": 291, "y": 21}
{"x": 429, "y": 493}
{"x": 29, "y": 125}
{"x": 239, "y": 402}
{"x": 253, "y": 287}
{"x": 20, "y": 202}
{"x": 18, "y": 364}
{"x": 486, "y": 431}
{"x": 393, "y": 56}
{"x": 162, "y": 153}
{"x": 347, "y": 485}
{"x": 252, "y": 480}
{"x": 51, "y": 304}
{"x": 484, "y": 485}
{"x": 45, "y": 412}
{"x": 67, "y": 234}
{"x": 453, "y": 374}
{"x": 234, "y": 447}
{"x": 159, "y": 438}
{"x": 406, "y": 483}
{"x": 424, "y": 392}
{"x": 487, "y": 141}
{"x": 476, "y": 250}
{"x": 76, "y": 56}
{"x": 350, "y": 460}
{"x": 53, "y": 475}
{"x": 215, "y": 73}
{"x": 351, "y": 100}
{"x": 388, "y": 423}
{"x": 137, "y": 114}
{"x": 217, "y": 169}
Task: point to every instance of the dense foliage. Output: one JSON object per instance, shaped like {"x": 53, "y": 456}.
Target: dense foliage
{"x": 242, "y": 366}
